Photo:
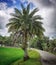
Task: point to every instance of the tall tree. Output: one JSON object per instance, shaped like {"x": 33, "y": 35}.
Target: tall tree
{"x": 25, "y": 23}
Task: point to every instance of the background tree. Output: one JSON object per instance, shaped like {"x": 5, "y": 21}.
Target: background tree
{"x": 36, "y": 43}
{"x": 5, "y": 41}
{"x": 52, "y": 47}
{"x": 1, "y": 40}
{"x": 25, "y": 23}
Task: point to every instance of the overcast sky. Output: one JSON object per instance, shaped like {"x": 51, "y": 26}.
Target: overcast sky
{"x": 47, "y": 9}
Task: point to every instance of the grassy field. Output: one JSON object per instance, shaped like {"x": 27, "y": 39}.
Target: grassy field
{"x": 14, "y": 56}
{"x": 9, "y": 55}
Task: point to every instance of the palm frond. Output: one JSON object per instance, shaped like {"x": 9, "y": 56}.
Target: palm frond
{"x": 37, "y": 17}
{"x": 13, "y": 27}
{"x": 14, "y": 19}
{"x": 28, "y": 8}
{"x": 38, "y": 25}
{"x": 13, "y": 23}
{"x": 39, "y": 22}
{"x": 33, "y": 12}
{"x": 15, "y": 15}
{"x": 22, "y": 6}
{"x": 17, "y": 11}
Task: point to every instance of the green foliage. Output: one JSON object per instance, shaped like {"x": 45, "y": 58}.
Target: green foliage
{"x": 4, "y": 40}
{"x": 33, "y": 42}
{"x": 52, "y": 45}
{"x": 49, "y": 44}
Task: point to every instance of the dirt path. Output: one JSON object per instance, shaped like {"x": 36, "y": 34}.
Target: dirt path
{"x": 47, "y": 58}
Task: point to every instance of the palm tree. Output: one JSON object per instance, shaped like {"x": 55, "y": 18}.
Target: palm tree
{"x": 25, "y": 23}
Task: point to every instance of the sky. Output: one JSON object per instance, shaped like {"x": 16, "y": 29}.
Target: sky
{"x": 47, "y": 9}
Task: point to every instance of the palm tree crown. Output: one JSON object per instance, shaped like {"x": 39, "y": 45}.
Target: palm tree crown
{"x": 26, "y": 21}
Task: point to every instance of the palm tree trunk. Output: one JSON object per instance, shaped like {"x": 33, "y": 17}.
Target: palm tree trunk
{"x": 26, "y": 57}
{"x": 25, "y": 45}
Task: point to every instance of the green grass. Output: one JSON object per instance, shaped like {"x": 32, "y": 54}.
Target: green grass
{"x": 9, "y": 55}
{"x": 14, "y": 56}
{"x": 34, "y": 59}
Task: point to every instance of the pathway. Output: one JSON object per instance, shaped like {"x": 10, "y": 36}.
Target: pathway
{"x": 47, "y": 58}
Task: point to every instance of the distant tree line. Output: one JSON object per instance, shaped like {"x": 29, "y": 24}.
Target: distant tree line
{"x": 44, "y": 44}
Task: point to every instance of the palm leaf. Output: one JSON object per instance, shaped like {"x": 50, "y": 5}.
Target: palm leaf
{"x": 13, "y": 27}
{"x": 14, "y": 19}
{"x": 13, "y": 23}
{"x": 22, "y": 6}
{"x": 28, "y": 8}
{"x": 15, "y": 15}
{"x": 17, "y": 11}
{"x": 37, "y": 17}
{"x": 39, "y": 25}
{"x": 33, "y": 12}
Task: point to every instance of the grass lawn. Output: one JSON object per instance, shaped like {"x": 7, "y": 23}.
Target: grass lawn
{"x": 9, "y": 55}
{"x": 14, "y": 56}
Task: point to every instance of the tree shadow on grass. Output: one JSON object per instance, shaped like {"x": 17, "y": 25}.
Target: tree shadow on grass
{"x": 31, "y": 61}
